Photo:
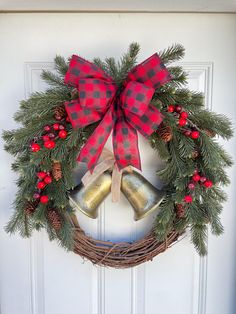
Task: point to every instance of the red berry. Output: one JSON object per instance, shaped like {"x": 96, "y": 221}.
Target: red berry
{"x": 48, "y": 179}
{"x": 187, "y": 133}
{"x": 188, "y": 199}
{"x": 61, "y": 127}
{"x": 178, "y": 108}
{"x": 195, "y": 171}
{"x": 62, "y": 134}
{"x": 184, "y": 115}
{"x": 182, "y": 122}
{"x": 49, "y": 144}
{"x": 41, "y": 185}
{"x": 196, "y": 177}
{"x": 203, "y": 179}
{"x": 56, "y": 126}
{"x": 191, "y": 186}
{"x": 41, "y": 175}
{"x": 45, "y": 138}
{"x": 47, "y": 128}
{"x": 51, "y": 135}
{"x": 36, "y": 196}
{"x": 195, "y": 134}
{"x": 35, "y": 147}
{"x": 171, "y": 108}
{"x": 44, "y": 199}
{"x": 208, "y": 184}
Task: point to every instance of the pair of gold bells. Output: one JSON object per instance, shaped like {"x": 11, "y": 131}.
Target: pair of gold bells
{"x": 141, "y": 194}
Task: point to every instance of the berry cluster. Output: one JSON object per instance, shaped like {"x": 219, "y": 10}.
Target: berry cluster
{"x": 197, "y": 179}
{"x": 51, "y": 133}
{"x": 44, "y": 178}
{"x": 182, "y": 120}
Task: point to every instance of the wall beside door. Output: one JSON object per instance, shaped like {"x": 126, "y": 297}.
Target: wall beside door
{"x": 37, "y": 277}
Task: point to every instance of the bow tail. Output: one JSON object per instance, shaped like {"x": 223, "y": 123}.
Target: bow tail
{"x": 92, "y": 149}
{"x": 125, "y": 144}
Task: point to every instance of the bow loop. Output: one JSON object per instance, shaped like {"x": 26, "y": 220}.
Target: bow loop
{"x": 80, "y": 68}
{"x": 136, "y": 97}
{"x": 152, "y": 72}
{"x": 95, "y": 93}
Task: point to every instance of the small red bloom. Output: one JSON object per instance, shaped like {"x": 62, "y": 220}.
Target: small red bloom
{"x": 47, "y": 128}
{"x": 182, "y": 122}
{"x": 41, "y": 175}
{"x": 56, "y": 126}
{"x": 49, "y": 144}
{"x": 184, "y": 115}
{"x": 188, "y": 199}
{"x": 203, "y": 179}
{"x": 191, "y": 186}
{"x": 196, "y": 177}
{"x": 178, "y": 108}
{"x": 187, "y": 133}
{"x": 41, "y": 185}
{"x": 44, "y": 199}
{"x": 62, "y": 134}
{"x": 195, "y": 134}
{"x": 171, "y": 108}
{"x": 45, "y": 138}
{"x": 208, "y": 184}
{"x": 35, "y": 147}
{"x": 36, "y": 196}
{"x": 48, "y": 179}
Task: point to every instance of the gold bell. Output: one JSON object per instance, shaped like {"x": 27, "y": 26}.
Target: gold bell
{"x": 141, "y": 194}
{"x": 88, "y": 198}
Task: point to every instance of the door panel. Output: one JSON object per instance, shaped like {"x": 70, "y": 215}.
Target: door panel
{"x": 38, "y": 277}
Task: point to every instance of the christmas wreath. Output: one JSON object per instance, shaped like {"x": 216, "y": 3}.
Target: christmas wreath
{"x": 70, "y": 123}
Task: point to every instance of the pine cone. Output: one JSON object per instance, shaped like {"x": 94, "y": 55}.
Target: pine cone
{"x": 195, "y": 154}
{"x": 54, "y": 219}
{"x": 210, "y": 133}
{"x": 30, "y": 207}
{"x": 180, "y": 210}
{"x": 165, "y": 133}
{"x": 60, "y": 112}
{"x": 56, "y": 170}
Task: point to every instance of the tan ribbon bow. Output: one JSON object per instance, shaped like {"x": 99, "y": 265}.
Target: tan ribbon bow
{"x": 106, "y": 162}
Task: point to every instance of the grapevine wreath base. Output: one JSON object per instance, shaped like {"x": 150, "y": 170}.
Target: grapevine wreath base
{"x": 71, "y": 122}
{"x": 122, "y": 254}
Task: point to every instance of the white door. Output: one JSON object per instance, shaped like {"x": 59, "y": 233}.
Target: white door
{"x": 38, "y": 277}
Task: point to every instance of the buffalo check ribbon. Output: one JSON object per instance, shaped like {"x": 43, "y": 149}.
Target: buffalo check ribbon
{"x": 125, "y": 110}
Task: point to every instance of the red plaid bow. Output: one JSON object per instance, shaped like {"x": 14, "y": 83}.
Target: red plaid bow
{"x": 124, "y": 111}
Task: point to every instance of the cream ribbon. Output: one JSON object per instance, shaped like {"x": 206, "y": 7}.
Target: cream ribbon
{"x": 106, "y": 162}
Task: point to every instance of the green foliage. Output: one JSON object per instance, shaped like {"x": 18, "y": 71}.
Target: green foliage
{"x": 119, "y": 70}
{"x": 177, "y": 154}
{"x": 172, "y": 53}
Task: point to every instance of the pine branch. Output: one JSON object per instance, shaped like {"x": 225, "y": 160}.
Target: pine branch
{"x": 128, "y": 61}
{"x": 61, "y": 65}
{"x": 52, "y": 79}
{"x": 173, "y": 53}
{"x": 179, "y": 77}
{"x": 112, "y": 69}
{"x": 217, "y": 123}
{"x": 165, "y": 220}
{"x": 101, "y": 64}
{"x": 199, "y": 238}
